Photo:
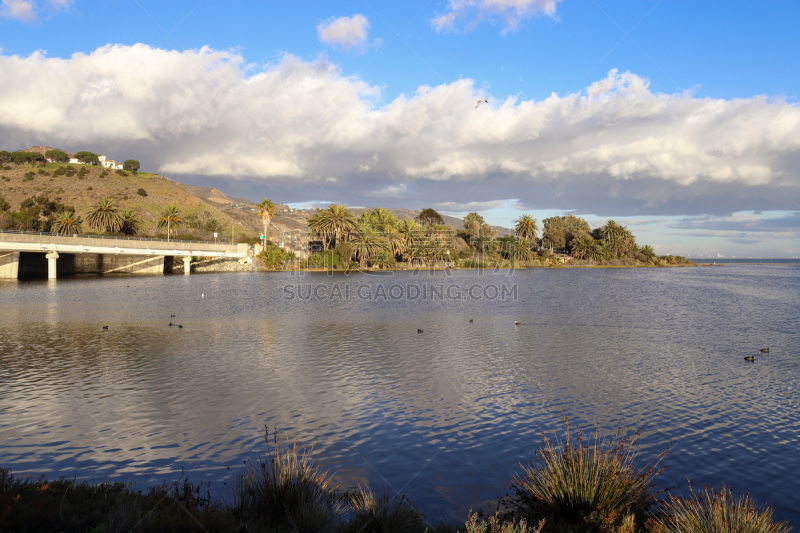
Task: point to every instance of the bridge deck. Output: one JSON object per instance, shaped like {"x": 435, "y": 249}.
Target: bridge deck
{"x": 93, "y": 244}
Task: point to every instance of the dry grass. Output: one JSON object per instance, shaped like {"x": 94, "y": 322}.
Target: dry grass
{"x": 83, "y": 192}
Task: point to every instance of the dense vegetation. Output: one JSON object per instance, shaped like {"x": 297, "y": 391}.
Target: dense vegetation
{"x": 579, "y": 486}
{"x": 378, "y": 239}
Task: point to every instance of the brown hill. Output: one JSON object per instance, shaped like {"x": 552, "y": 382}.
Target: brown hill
{"x": 146, "y": 194}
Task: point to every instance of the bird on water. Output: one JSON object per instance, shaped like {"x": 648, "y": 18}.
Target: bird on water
{"x": 749, "y": 358}
{"x": 105, "y": 327}
{"x": 764, "y": 350}
{"x": 517, "y": 323}
{"x": 419, "y": 331}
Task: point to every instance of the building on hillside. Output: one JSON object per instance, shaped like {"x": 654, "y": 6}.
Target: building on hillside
{"x": 109, "y": 163}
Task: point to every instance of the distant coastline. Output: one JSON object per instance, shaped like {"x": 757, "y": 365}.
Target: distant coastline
{"x": 746, "y": 261}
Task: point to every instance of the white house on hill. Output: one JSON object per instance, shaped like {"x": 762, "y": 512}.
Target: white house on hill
{"x": 109, "y": 163}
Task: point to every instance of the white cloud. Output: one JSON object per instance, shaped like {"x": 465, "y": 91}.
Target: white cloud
{"x": 468, "y": 13}
{"x": 615, "y": 148}
{"x": 347, "y": 32}
{"x": 18, "y": 9}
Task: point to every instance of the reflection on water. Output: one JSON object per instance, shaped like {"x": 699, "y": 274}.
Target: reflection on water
{"x": 444, "y": 416}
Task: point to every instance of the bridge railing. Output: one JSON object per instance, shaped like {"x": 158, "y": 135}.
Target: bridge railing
{"x": 114, "y": 237}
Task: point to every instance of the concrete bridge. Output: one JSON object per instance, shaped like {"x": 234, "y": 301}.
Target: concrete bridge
{"x": 35, "y": 254}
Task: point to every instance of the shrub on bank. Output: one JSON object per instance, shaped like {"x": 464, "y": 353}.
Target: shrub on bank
{"x": 286, "y": 488}
{"x": 714, "y": 510}
{"x": 591, "y": 483}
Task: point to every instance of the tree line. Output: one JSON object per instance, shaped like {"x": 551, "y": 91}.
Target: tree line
{"x": 58, "y": 156}
{"x": 377, "y": 238}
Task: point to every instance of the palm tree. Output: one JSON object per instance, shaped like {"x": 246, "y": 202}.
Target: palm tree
{"x": 582, "y": 246}
{"x": 648, "y": 252}
{"x": 332, "y": 224}
{"x": 600, "y": 251}
{"x": 527, "y": 228}
{"x": 266, "y": 210}
{"x": 105, "y": 216}
{"x": 521, "y": 250}
{"x": 367, "y": 243}
{"x": 171, "y": 218}
{"x": 131, "y": 224}
{"x": 66, "y": 223}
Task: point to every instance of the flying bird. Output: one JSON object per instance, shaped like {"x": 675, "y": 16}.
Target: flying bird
{"x": 481, "y": 101}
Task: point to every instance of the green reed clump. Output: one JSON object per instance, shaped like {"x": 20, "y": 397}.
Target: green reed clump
{"x": 589, "y": 484}
{"x": 498, "y": 524}
{"x": 712, "y": 511}
{"x": 286, "y": 488}
{"x": 381, "y": 513}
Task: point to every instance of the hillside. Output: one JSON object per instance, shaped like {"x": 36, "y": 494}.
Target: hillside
{"x": 203, "y": 209}
{"x": 146, "y": 194}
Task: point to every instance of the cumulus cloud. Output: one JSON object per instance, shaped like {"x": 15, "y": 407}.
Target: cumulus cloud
{"x": 27, "y": 11}
{"x": 462, "y": 14}
{"x": 306, "y": 130}
{"x": 347, "y": 32}
{"x": 18, "y": 9}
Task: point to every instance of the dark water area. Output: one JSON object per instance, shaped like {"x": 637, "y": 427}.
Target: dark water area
{"x": 444, "y": 416}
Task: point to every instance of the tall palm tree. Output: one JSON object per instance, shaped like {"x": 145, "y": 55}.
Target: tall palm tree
{"x": 171, "y": 218}
{"x": 105, "y": 216}
{"x": 66, "y": 223}
{"x": 527, "y": 228}
{"x": 131, "y": 224}
{"x": 367, "y": 243}
{"x": 620, "y": 240}
{"x": 332, "y": 224}
{"x": 266, "y": 210}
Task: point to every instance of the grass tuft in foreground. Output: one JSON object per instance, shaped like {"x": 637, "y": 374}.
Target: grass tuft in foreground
{"x": 381, "y": 513}
{"x": 585, "y": 484}
{"x": 286, "y": 488}
{"x": 715, "y": 510}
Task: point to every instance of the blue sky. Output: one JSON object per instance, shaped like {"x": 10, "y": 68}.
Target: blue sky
{"x": 678, "y": 119}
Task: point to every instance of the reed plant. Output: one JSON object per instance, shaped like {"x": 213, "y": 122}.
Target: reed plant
{"x": 381, "y": 513}
{"x": 715, "y": 510}
{"x": 286, "y": 488}
{"x": 585, "y": 484}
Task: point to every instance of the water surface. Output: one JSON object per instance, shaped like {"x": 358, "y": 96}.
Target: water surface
{"x": 444, "y": 416}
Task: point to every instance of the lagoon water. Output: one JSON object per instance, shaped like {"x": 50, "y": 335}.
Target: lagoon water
{"x": 444, "y": 416}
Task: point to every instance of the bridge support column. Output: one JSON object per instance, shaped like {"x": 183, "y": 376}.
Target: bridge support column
{"x": 51, "y": 264}
{"x": 9, "y": 265}
{"x": 187, "y": 264}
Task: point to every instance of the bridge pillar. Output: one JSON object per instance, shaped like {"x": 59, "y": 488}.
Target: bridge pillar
{"x": 51, "y": 264}
{"x": 187, "y": 264}
{"x": 9, "y": 265}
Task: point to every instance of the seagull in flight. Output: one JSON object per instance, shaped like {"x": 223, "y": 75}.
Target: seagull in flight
{"x": 481, "y": 101}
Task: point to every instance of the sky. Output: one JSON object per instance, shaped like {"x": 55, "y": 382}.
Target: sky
{"x": 679, "y": 119}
